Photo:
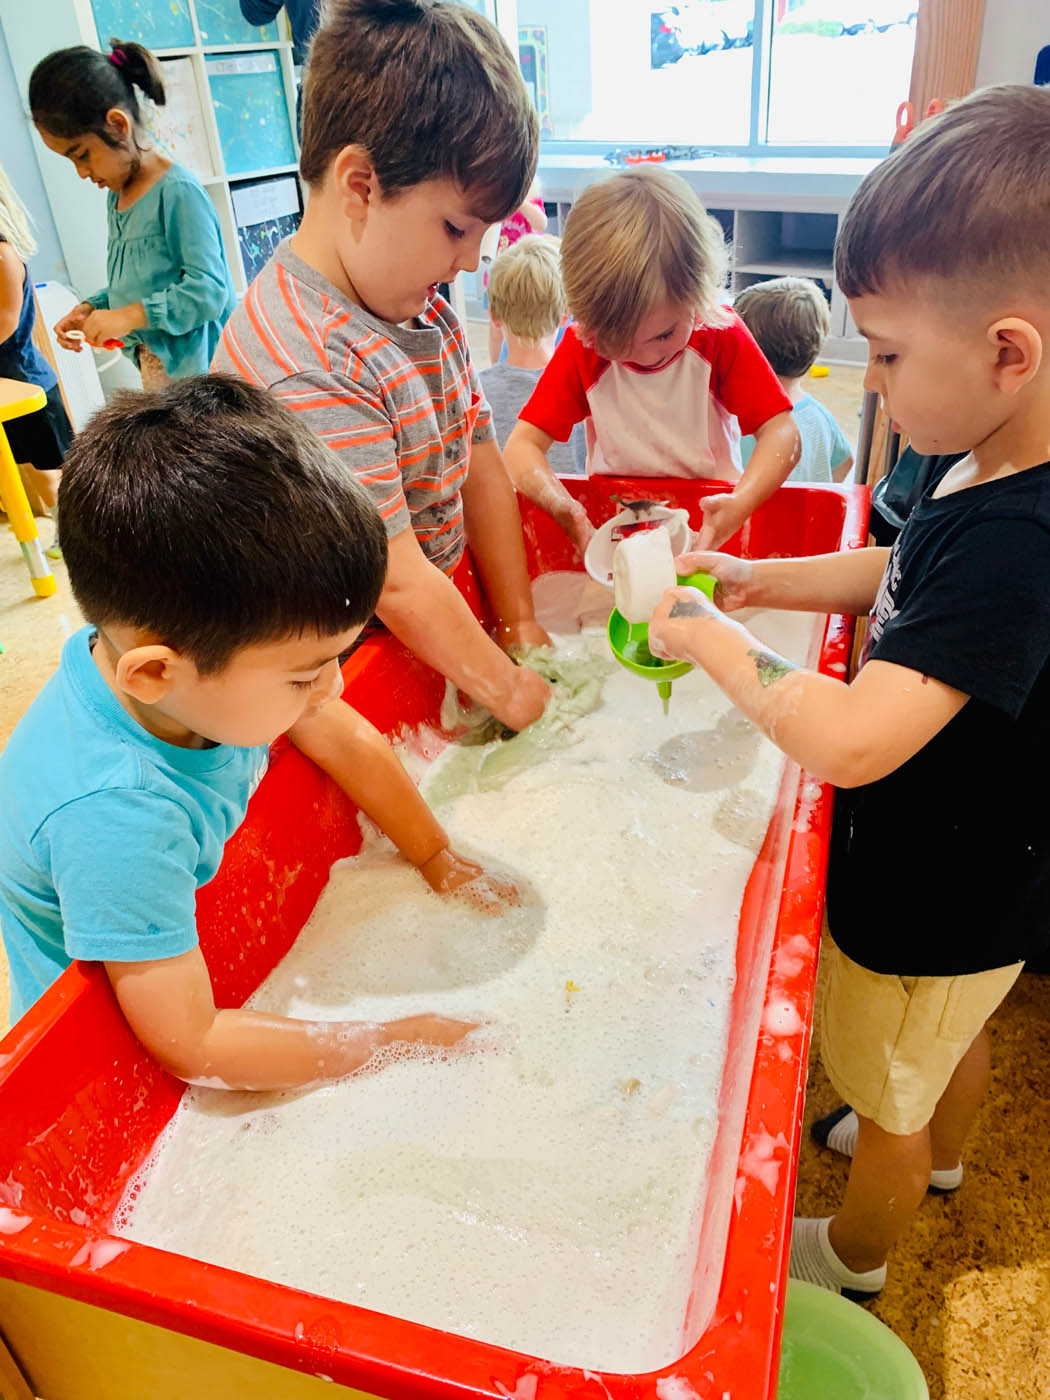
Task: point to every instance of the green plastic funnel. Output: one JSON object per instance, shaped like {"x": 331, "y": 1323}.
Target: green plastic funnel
{"x": 629, "y": 643}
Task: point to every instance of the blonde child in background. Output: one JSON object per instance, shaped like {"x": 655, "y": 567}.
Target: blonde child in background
{"x": 658, "y": 369}
{"x": 38, "y": 440}
{"x": 789, "y": 318}
{"x": 527, "y": 303}
{"x": 346, "y": 326}
{"x": 168, "y": 290}
{"x": 529, "y": 217}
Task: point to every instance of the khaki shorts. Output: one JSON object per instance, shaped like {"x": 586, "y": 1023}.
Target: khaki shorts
{"x": 891, "y": 1044}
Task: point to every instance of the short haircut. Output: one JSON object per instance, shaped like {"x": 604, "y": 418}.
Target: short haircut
{"x": 632, "y": 241}
{"x": 789, "y": 318}
{"x": 207, "y": 514}
{"x": 966, "y": 198}
{"x": 526, "y": 296}
{"x": 430, "y": 90}
{"x": 71, "y": 90}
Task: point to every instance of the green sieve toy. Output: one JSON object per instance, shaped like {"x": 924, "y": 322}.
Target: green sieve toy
{"x": 629, "y": 643}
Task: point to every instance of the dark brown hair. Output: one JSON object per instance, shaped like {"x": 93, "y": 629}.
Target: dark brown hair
{"x": 208, "y": 514}
{"x": 966, "y": 197}
{"x": 430, "y": 90}
{"x": 71, "y": 90}
{"x": 789, "y": 318}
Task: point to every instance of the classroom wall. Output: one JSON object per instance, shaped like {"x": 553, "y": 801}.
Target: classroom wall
{"x": 20, "y": 162}
{"x": 1013, "y": 33}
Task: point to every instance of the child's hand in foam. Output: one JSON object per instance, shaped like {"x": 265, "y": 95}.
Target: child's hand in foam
{"x": 450, "y": 873}
{"x": 512, "y": 636}
{"x": 733, "y": 575}
{"x": 428, "y": 1029}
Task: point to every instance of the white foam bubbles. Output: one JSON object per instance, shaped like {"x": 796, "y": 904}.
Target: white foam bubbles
{"x": 541, "y": 1191}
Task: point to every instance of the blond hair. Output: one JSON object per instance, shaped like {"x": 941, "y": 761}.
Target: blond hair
{"x": 526, "y": 296}
{"x": 789, "y": 318}
{"x": 632, "y": 241}
{"x": 14, "y": 220}
{"x": 966, "y": 199}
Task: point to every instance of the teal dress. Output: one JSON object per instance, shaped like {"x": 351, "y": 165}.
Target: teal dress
{"x": 165, "y": 250}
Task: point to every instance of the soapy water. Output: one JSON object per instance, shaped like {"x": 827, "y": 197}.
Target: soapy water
{"x": 544, "y": 1192}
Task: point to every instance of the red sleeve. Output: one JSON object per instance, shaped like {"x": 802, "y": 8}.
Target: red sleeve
{"x": 742, "y": 379}
{"x": 559, "y": 400}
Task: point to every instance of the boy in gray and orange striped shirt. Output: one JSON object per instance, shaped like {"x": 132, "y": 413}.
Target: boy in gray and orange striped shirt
{"x": 345, "y": 324}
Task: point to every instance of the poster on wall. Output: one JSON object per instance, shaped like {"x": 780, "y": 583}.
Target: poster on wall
{"x": 532, "y": 59}
{"x": 178, "y": 127}
{"x": 265, "y": 211}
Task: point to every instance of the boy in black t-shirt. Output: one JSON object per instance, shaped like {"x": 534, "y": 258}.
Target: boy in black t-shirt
{"x": 939, "y": 885}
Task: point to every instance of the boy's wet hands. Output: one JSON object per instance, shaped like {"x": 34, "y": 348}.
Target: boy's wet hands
{"x": 447, "y": 872}
{"x": 723, "y": 516}
{"x": 576, "y": 524}
{"x": 525, "y": 700}
{"x": 513, "y": 636}
{"x": 673, "y": 620}
{"x": 733, "y": 576}
{"x": 428, "y": 1029}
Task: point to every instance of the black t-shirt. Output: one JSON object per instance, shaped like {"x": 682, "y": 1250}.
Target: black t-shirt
{"x": 943, "y": 866}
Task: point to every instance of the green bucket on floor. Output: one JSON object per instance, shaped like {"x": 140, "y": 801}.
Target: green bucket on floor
{"x": 833, "y": 1350}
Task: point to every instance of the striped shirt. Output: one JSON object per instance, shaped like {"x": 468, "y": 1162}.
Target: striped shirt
{"x": 400, "y": 406}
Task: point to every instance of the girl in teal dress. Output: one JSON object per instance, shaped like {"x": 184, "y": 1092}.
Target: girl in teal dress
{"x": 169, "y": 292}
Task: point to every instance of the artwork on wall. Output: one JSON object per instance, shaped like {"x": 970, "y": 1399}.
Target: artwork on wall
{"x": 178, "y": 127}
{"x": 158, "y": 26}
{"x": 247, "y": 94}
{"x": 265, "y": 211}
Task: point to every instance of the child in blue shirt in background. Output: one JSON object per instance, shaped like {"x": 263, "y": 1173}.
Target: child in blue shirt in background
{"x": 169, "y": 292}
{"x": 225, "y": 561}
{"x": 789, "y": 318}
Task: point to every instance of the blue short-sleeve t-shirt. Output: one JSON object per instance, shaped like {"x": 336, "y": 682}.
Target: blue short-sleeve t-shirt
{"x": 106, "y": 833}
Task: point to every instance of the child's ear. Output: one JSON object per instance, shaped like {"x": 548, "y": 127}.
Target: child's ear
{"x": 354, "y": 179}
{"x": 147, "y": 673}
{"x": 1019, "y": 352}
{"x": 118, "y": 123}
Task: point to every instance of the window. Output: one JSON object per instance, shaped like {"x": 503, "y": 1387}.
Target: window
{"x": 746, "y": 76}
{"x": 838, "y": 70}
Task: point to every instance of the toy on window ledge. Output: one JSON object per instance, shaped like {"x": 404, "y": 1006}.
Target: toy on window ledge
{"x": 655, "y": 154}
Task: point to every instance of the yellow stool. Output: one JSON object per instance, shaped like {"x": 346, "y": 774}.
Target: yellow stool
{"x": 17, "y": 399}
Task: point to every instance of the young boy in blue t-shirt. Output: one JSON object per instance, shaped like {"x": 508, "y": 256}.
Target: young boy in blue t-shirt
{"x": 939, "y": 882}
{"x": 225, "y": 562}
{"x": 790, "y": 320}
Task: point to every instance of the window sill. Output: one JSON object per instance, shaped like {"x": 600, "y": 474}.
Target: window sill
{"x": 814, "y": 180}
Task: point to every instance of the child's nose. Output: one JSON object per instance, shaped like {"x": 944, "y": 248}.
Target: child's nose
{"x": 332, "y": 686}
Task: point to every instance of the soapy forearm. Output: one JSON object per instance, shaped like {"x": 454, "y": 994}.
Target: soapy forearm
{"x": 253, "y": 1050}
{"x": 356, "y": 756}
{"x": 169, "y": 1006}
{"x": 493, "y": 529}
{"x": 531, "y": 474}
{"x": 807, "y": 716}
{"x": 777, "y": 449}
{"x": 845, "y": 582}
{"x": 426, "y": 611}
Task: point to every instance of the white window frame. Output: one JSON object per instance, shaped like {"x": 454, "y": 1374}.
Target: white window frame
{"x": 505, "y": 14}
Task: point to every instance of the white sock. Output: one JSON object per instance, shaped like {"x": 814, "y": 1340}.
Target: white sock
{"x": 814, "y": 1260}
{"x": 843, "y": 1138}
